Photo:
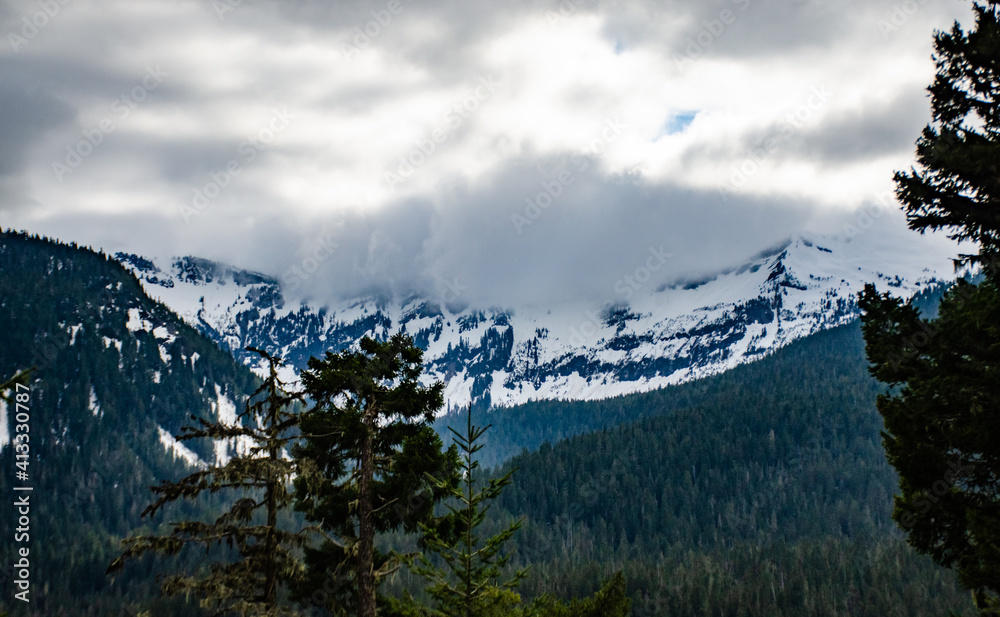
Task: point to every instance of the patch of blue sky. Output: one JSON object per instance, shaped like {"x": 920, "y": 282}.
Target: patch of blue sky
{"x": 677, "y": 122}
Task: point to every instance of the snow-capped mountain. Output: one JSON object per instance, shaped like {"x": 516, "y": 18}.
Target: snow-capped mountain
{"x": 648, "y": 336}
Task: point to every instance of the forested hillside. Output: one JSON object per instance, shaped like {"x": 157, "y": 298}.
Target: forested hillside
{"x": 113, "y": 368}
{"x": 761, "y": 491}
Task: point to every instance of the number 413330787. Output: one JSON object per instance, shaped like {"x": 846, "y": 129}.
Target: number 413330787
{"x": 22, "y": 427}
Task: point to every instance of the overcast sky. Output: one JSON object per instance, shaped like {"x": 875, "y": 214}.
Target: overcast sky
{"x": 513, "y": 150}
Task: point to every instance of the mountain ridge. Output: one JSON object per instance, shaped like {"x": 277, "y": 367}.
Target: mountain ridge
{"x": 116, "y": 375}
{"x": 649, "y": 334}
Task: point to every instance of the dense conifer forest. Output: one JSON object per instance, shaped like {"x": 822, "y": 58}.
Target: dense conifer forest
{"x": 760, "y": 491}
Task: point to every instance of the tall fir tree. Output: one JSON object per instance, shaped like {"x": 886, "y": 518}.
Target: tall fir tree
{"x": 941, "y": 419}
{"x": 468, "y": 578}
{"x": 370, "y": 444}
{"x": 470, "y": 583}
{"x": 262, "y": 476}
{"x": 941, "y": 426}
{"x": 955, "y": 185}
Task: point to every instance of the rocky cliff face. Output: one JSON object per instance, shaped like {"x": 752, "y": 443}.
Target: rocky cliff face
{"x": 646, "y": 337}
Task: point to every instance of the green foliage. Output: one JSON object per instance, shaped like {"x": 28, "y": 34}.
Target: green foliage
{"x": 64, "y": 311}
{"x": 941, "y": 430}
{"x": 955, "y": 186}
{"x": 682, "y": 502}
{"x": 468, "y": 584}
{"x": 760, "y": 491}
{"x": 370, "y": 443}
{"x": 610, "y": 601}
{"x": 267, "y": 554}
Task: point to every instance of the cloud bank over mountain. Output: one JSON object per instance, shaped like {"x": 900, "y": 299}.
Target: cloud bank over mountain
{"x": 514, "y": 151}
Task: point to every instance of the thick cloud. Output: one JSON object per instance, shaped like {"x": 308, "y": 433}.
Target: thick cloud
{"x": 530, "y": 151}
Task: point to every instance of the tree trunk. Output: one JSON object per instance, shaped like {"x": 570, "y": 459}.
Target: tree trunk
{"x": 469, "y": 549}
{"x": 366, "y": 528}
{"x": 271, "y": 571}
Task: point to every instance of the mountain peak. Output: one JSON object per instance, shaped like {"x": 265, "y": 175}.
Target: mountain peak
{"x": 646, "y": 338}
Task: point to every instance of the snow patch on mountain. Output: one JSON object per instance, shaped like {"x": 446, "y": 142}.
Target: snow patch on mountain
{"x": 225, "y": 411}
{"x": 135, "y": 321}
{"x": 73, "y": 330}
{"x": 4, "y": 427}
{"x": 179, "y": 450}
{"x": 93, "y": 405}
{"x": 649, "y": 334}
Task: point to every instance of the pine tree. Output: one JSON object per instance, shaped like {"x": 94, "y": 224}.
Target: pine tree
{"x": 268, "y": 554}
{"x": 957, "y": 184}
{"x": 609, "y": 601}
{"x": 370, "y": 443}
{"x": 469, "y": 584}
{"x": 941, "y": 428}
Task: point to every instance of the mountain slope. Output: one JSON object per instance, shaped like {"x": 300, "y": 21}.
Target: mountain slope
{"x": 650, "y": 334}
{"x": 117, "y": 374}
{"x": 761, "y": 491}
{"x": 700, "y": 504}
